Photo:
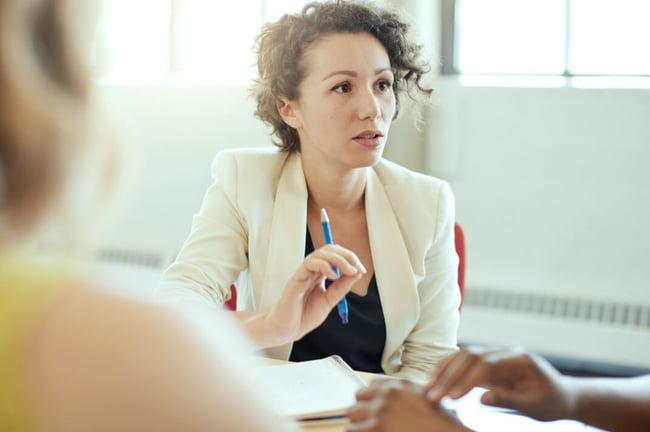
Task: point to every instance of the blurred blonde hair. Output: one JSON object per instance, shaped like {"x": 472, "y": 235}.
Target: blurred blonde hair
{"x": 46, "y": 113}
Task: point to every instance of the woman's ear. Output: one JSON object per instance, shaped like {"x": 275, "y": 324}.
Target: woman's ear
{"x": 287, "y": 111}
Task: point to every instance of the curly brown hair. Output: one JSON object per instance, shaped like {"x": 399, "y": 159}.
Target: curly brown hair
{"x": 281, "y": 47}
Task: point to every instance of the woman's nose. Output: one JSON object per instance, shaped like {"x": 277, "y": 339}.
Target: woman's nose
{"x": 369, "y": 105}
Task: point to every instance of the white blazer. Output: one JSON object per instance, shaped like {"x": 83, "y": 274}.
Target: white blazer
{"x": 252, "y": 224}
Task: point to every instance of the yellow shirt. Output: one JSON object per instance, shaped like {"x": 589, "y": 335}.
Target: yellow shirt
{"x": 27, "y": 287}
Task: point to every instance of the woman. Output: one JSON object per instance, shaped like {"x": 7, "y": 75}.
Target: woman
{"x": 329, "y": 84}
{"x": 72, "y": 357}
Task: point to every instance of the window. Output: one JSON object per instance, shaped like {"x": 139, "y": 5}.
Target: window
{"x": 609, "y": 37}
{"x": 131, "y": 39}
{"x": 196, "y": 40}
{"x": 546, "y": 37}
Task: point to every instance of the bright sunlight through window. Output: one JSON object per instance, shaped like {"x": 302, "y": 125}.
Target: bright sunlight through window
{"x": 610, "y": 37}
{"x": 510, "y": 36}
{"x": 148, "y": 41}
{"x": 552, "y": 37}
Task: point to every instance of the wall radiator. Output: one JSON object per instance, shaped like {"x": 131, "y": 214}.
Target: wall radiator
{"x": 589, "y": 331}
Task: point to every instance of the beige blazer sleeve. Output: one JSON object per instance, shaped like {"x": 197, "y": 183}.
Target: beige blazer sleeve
{"x": 216, "y": 250}
{"x": 250, "y": 228}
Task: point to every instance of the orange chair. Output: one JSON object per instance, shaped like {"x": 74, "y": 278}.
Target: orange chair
{"x": 459, "y": 238}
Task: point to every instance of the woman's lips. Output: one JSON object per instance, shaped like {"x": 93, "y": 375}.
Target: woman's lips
{"x": 369, "y": 142}
{"x": 369, "y": 139}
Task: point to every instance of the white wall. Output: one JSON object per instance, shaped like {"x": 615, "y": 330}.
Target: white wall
{"x": 171, "y": 136}
{"x": 551, "y": 187}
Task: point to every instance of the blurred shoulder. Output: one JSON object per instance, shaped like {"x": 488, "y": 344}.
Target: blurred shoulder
{"x": 134, "y": 357}
{"x": 111, "y": 320}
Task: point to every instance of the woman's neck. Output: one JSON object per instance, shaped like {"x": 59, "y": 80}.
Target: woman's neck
{"x": 336, "y": 191}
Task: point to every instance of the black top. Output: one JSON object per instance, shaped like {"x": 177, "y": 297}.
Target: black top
{"x": 360, "y": 342}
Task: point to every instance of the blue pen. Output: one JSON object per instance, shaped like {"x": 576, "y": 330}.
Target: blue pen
{"x": 342, "y": 306}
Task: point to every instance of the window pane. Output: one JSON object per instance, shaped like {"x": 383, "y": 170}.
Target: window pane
{"x": 217, "y": 46}
{"x": 510, "y": 36}
{"x": 133, "y": 39}
{"x": 610, "y": 37}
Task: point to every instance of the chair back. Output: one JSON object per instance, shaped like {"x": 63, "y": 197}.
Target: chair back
{"x": 459, "y": 238}
{"x": 232, "y": 302}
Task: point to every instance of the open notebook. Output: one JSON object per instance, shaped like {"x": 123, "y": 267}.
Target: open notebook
{"x": 310, "y": 390}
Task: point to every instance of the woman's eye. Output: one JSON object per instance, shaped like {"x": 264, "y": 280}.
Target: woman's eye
{"x": 342, "y": 88}
{"x": 384, "y": 85}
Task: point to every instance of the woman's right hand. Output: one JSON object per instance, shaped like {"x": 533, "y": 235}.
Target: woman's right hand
{"x": 305, "y": 303}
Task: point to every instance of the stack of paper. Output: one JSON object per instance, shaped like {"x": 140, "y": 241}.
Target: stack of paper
{"x": 311, "y": 389}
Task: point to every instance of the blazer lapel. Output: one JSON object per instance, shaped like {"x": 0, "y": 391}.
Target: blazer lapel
{"x": 393, "y": 270}
{"x": 286, "y": 249}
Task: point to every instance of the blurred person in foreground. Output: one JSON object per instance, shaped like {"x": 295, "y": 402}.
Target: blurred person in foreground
{"x": 73, "y": 357}
{"x": 514, "y": 379}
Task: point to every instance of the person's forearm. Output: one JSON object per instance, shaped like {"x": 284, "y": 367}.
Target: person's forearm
{"x": 613, "y": 404}
{"x": 259, "y": 329}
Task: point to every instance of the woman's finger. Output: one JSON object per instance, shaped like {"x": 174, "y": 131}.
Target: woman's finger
{"x": 340, "y": 288}
{"x": 453, "y": 372}
{"x": 322, "y": 262}
{"x": 359, "y": 411}
{"x": 440, "y": 368}
{"x": 340, "y": 256}
{"x": 367, "y": 393}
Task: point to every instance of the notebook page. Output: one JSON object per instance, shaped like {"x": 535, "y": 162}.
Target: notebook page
{"x": 310, "y": 389}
